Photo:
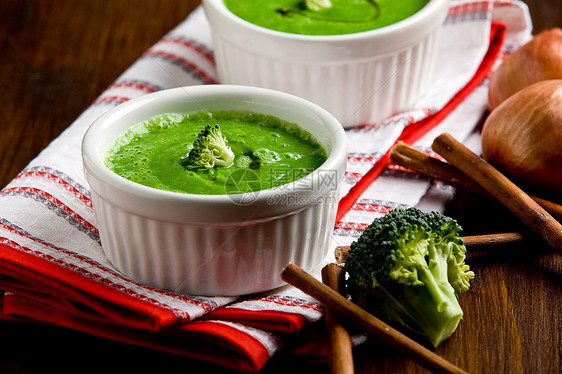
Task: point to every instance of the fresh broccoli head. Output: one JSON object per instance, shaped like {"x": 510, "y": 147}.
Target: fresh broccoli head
{"x": 408, "y": 267}
{"x": 209, "y": 150}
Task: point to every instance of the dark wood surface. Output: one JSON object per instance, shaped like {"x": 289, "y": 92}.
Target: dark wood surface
{"x": 57, "y": 56}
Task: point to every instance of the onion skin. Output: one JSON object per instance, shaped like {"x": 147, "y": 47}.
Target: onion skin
{"x": 537, "y": 60}
{"x": 522, "y": 137}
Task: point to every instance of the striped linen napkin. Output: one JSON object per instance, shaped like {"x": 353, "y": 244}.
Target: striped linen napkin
{"x": 52, "y": 268}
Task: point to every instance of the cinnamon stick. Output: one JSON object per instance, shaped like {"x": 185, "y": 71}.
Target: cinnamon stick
{"x": 472, "y": 243}
{"x": 297, "y": 277}
{"x": 341, "y": 253}
{"x": 340, "y": 357}
{"x": 477, "y": 242}
{"x": 499, "y": 186}
{"x": 410, "y": 158}
{"x": 406, "y": 156}
{"x": 554, "y": 209}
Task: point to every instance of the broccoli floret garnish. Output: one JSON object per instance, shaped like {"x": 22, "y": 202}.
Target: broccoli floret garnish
{"x": 209, "y": 150}
{"x": 317, "y": 5}
{"x": 408, "y": 267}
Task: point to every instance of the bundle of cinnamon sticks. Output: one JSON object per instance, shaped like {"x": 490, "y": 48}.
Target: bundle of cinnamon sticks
{"x": 462, "y": 169}
{"x": 410, "y": 158}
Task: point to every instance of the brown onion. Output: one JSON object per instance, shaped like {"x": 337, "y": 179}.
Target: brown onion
{"x": 539, "y": 59}
{"x": 523, "y": 136}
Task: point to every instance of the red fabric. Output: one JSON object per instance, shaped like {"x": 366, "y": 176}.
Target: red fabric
{"x": 418, "y": 129}
{"x": 23, "y": 272}
{"x": 270, "y": 320}
{"x": 204, "y": 340}
{"x": 41, "y": 290}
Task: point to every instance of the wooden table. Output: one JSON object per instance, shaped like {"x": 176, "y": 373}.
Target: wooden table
{"x": 57, "y": 56}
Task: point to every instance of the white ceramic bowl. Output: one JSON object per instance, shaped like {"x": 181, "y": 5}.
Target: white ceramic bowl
{"x": 359, "y": 78}
{"x": 214, "y": 244}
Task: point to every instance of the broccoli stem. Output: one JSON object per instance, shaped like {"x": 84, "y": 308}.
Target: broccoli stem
{"x": 438, "y": 312}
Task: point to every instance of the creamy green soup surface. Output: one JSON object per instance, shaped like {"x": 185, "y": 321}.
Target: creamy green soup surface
{"x": 340, "y": 17}
{"x": 269, "y": 152}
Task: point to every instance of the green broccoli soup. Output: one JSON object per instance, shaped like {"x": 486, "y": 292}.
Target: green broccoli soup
{"x": 324, "y": 17}
{"x": 215, "y": 152}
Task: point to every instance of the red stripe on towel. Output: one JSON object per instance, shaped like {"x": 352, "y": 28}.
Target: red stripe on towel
{"x": 206, "y": 78}
{"x": 58, "y": 180}
{"x": 418, "y": 129}
{"x": 191, "y": 45}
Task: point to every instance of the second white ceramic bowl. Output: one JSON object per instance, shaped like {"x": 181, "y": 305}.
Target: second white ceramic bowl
{"x": 359, "y": 78}
{"x": 214, "y": 244}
